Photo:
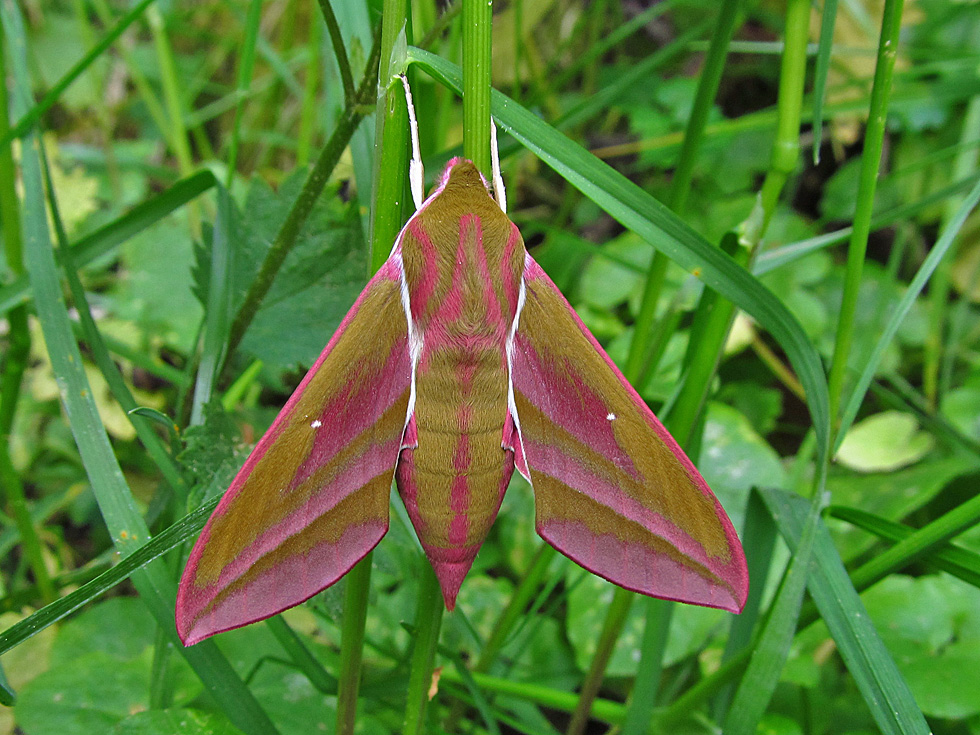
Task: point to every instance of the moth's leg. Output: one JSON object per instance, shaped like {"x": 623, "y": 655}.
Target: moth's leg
{"x": 498, "y": 182}
{"x": 416, "y": 175}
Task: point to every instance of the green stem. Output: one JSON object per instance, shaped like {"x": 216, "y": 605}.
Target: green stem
{"x": 965, "y": 164}
{"x": 310, "y": 83}
{"x": 352, "y": 643}
{"x": 870, "y": 162}
{"x": 358, "y": 583}
{"x": 615, "y": 620}
{"x": 658, "y": 617}
{"x": 714, "y": 66}
{"x": 391, "y": 133}
{"x": 337, "y": 41}
{"x": 428, "y": 621}
{"x": 175, "y": 109}
{"x": 317, "y": 179}
{"x": 476, "y": 83}
{"x": 244, "y": 80}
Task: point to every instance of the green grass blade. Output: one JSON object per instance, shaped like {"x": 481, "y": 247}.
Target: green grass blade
{"x": 186, "y": 528}
{"x": 870, "y": 162}
{"x": 217, "y": 318}
{"x": 769, "y": 655}
{"x": 656, "y": 224}
{"x": 899, "y": 311}
{"x": 247, "y": 61}
{"x": 103, "y": 240}
{"x": 824, "y": 50}
{"x": 126, "y": 525}
{"x": 791, "y": 252}
{"x": 34, "y": 114}
{"x": 959, "y": 562}
{"x": 882, "y": 686}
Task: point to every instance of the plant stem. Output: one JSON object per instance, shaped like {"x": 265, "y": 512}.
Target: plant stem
{"x": 658, "y": 617}
{"x": 612, "y": 626}
{"x": 428, "y": 620}
{"x": 358, "y": 588}
{"x": 352, "y": 643}
{"x": 870, "y": 162}
{"x": 391, "y": 164}
{"x": 680, "y": 186}
{"x": 476, "y": 83}
{"x": 290, "y": 229}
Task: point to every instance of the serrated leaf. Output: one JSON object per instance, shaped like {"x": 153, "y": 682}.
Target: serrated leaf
{"x": 319, "y": 280}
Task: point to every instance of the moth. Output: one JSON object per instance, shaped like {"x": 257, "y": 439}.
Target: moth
{"x": 459, "y": 363}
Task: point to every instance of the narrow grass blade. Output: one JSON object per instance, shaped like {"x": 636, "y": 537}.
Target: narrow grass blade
{"x": 898, "y": 313}
{"x": 824, "y": 50}
{"x": 961, "y": 563}
{"x": 882, "y": 686}
{"x": 103, "y": 240}
{"x": 34, "y": 114}
{"x": 186, "y": 528}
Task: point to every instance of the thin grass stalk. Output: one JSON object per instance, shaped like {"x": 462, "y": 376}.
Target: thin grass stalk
{"x": 714, "y": 66}
{"x": 870, "y": 163}
{"x": 25, "y": 123}
{"x": 154, "y": 445}
{"x": 933, "y": 362}
{"x": 304, "y": 137}
{"x": 14, "y": 362}
{"x": 312, "y": 187}
{"x": 428, "y": 621}
{"x": 170, "y": 81}
{"x": 162, "y": 673}
{"x": 477, "y": 25}
{"x": 824, "y": 51}
{"x": 125, "y": 524}
{"x": 247, "y": 60}
{"x": 612, "y": 627}
{"x": 356, "y": 593}
{"x": 337, "y": 41}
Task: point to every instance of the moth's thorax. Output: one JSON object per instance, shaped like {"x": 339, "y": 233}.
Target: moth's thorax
{"x": 463, "y": 260}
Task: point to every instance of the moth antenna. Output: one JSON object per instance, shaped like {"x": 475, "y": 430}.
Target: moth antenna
{"x": 416, "y": 174}
{"x": 498, "y": 182}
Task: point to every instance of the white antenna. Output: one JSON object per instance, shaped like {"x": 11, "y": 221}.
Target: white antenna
{"x": 498, "y": 181}
{"x": 416, "y": 175}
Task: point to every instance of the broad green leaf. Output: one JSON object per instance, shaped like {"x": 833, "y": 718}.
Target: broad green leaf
{"x": 932, "y": 626}
{"x": 91, "y": 695}
{"x": 174, "y": 722}
{"x": 318, "y": 282}
{"x": 884, "y": 442}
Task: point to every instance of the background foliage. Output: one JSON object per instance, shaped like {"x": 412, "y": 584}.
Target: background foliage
{"x": 155, "y": 153}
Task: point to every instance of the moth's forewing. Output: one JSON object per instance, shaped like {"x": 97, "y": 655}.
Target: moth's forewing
{"x": 312, "y": 499}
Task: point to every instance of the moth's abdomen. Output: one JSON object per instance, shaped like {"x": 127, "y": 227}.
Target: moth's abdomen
{"x": 453, "y": 480}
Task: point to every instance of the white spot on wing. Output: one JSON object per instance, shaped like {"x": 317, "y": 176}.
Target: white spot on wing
{"x": 316, "y": 424}
{"x": 610, "y": 417}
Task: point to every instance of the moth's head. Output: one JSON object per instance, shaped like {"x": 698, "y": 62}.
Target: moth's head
{"x": 464, "y": 173}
